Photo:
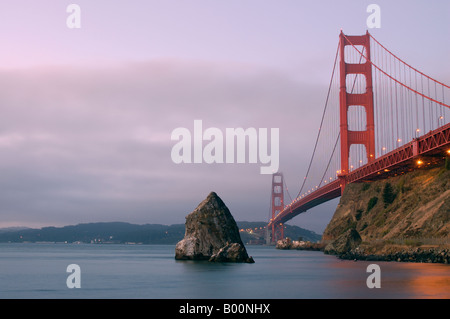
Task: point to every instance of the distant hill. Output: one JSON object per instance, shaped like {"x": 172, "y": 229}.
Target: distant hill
{"x": 12, "y": 229}
{"x": 121, "y": 232}
{"x": 110, "y": 232}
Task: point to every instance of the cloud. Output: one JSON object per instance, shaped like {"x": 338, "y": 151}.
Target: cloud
{"x": 93, "y": 144}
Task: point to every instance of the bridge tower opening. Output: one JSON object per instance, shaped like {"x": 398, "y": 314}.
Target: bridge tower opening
{"x": 277, "y": 203}
{"x": 347, "y": 98}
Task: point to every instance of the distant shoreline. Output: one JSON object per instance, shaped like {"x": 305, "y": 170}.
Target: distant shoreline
{"x": 252, "y": 233}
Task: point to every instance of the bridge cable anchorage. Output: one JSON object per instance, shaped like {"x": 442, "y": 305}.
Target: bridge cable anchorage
{"x": 395, "y": 80}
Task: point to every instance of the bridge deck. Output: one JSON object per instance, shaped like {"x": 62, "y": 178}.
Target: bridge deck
{"x": 431, "y": 148}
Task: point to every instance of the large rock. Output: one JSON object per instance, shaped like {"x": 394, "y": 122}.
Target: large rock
{"x": 287, "y": 243}
{"x": 211, "y": 234}
{"x": 284, "y": 243}
{"x": 232, "y": 253}
{"x": 344, "y": 243}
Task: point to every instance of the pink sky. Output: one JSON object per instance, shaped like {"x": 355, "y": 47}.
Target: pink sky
{"x": 87, "y": 113}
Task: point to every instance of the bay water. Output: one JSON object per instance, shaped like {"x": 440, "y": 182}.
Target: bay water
{"x": 39, "y": 270}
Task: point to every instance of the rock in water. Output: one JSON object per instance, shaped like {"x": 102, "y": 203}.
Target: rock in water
{"x": 212, "y": 234}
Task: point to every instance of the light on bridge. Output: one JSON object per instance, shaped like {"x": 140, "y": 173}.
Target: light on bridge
{"x": 448, "y": 151}
{"x": 419, "y": 162}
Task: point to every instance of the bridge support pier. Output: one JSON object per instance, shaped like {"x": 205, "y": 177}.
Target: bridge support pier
{"x": 342, "y": 182}
{"x": 277, "y": 232}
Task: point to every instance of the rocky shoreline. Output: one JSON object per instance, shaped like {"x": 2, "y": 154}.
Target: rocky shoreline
{"x": 364, "y": 252}
{"x": 418, "y": 254}
{"x": 287, "y": 243}
{"x": 404, "y": 218}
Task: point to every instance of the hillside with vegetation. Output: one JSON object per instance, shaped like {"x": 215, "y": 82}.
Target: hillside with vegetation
{"x": 400, "y": 218}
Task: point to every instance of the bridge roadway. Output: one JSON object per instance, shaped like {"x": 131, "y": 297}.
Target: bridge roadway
{"x": 429, "y": 149}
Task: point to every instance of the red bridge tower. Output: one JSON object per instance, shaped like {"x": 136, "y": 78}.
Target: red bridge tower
{"x": 347, "y": 99}
{"x": 277, "y": 205}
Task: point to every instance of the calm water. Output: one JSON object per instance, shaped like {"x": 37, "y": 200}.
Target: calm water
{"x": 141, "y": 271}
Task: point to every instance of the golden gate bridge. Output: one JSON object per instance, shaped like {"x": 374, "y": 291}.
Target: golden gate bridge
{"x": 382, "y": 117}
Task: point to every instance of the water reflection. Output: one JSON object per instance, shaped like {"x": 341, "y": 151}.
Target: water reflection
{"x": 430, "y": 280}
{"x": 398, "y": 279}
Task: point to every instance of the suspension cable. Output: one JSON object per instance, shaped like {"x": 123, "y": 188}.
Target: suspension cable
{"x": 321, "y": 122}
{"x": 405, "y": 62}
{"x": 395, "y": 80}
